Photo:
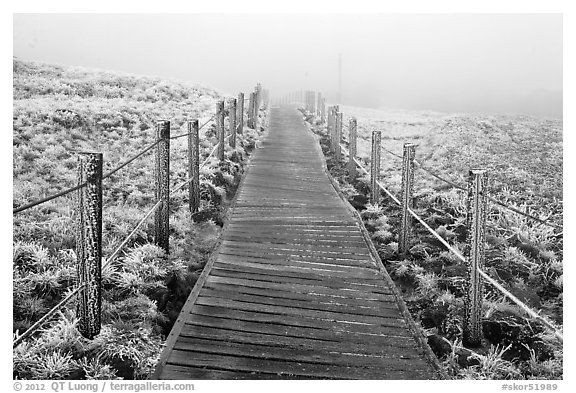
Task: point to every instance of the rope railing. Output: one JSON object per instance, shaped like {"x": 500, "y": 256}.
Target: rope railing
{"x": 131, "y": 160}
{"x": 490, "y": 198}
{"x": 187, "y": 181}
{"x": 91, "y": 174}
{"x": 47, "y": 316}
{"x": 457, "y": 253}
{"x": 125, "y": 241}
{"x": 449, "y": 247}
{"x": 199, "y": 128}
{"x": 79, "y": 186}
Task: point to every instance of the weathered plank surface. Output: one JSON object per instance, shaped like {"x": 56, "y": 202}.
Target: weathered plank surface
{"x": 293, "y": 290}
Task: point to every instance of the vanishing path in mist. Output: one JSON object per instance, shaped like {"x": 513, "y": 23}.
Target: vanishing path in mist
{"x": 293, "y": 290}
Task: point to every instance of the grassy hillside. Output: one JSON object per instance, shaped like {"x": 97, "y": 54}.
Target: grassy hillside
{"x": 59, "y": 111}
{"x": 524, "y": 159}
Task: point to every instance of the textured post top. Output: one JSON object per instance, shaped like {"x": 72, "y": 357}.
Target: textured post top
{"x": 478, "y": 171}
{"x": 163, "y": 128}
{"x": 90, "y": 153}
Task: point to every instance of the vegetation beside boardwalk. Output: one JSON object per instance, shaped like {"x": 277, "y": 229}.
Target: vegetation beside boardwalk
{"x": 59, "y": 111}
{"x": 524, "y": 157}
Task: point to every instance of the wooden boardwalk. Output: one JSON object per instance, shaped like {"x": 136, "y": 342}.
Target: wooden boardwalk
{"x": 293, "y": 290}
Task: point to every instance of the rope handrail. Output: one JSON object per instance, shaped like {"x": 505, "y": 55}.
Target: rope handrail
{"x": 46, "y": 316}
{"x": 119, "y": 248}
{"x": 110, "y": 259}
{"x": 490, "y": 198}
{"x": 107, "y": 175}
{"x": 519, "y": 303}
{"x": 187, "y": 181}
{"x": 79, "y": 186}
{"x": 490, "y": 280}
{"x": 199, "y": 128}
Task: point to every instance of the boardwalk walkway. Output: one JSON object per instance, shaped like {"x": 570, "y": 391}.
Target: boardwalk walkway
{"x": 292, "y": 291}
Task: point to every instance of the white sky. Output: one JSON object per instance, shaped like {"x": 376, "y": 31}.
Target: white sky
{"x": 451, "y": 62}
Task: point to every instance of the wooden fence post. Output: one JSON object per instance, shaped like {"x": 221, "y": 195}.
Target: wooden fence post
{"x": 375, "y": 167}
{"x": 89, "y": 244}
{"x": 250, "y": 120}
{"x": 162, "y": 214}
{"x": 330, "y": 126}
{"x": 193, "y": 166}
{"x": 240, "y": 113}
{"x": 220, "y": 129}
{"x": 338, "y": 137}
{"x": 334, "y": 115}
{"x": 406, "y": 197}
{"x": 256, "y": 108}
{"x": 352, "y": 149}
{"x": 232, "y": 121}
{"x": 476, "y": 220}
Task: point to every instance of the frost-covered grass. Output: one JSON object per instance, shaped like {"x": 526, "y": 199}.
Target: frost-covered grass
{"x": 524, "y": 159}
{"x": 59, "y": 111}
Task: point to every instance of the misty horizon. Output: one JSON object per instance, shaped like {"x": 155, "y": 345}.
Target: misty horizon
{"x": 474, "y": 63}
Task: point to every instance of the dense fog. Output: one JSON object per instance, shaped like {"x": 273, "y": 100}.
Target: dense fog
{"x": 491, "y": 63}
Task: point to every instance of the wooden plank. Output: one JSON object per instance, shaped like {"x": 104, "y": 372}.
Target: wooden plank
{"x": 278, "y": 273}
{"x": 176, "y": 372}
{"x": 409, "y": 347}
{"x": 359, "y": 276}
{"x": 298, "y": 321}
{"x": 387, "y": 301}
{"x": 280, "y": 367}
{"x": 393, "y": 337}
{"x": 335, "y": 250}
{"x": 273, "y": 254}
{"x": 330, "y": 286}
{"x": 391, "y": 319}
{"x": 326, "y": 225}
{"x": 393, "y": 362}
{"x": 369, "y": 309}
{"x": 353, "y": 272}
